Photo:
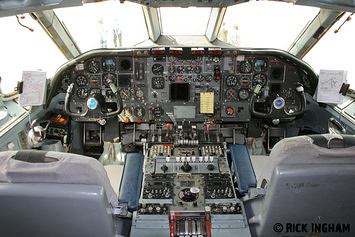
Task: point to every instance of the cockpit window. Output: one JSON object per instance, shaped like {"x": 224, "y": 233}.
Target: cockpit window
{"x": 105, "y": 25}
{"x": 184, "y": 21}
{"x": 265, "y": 24}
{"x": 25, "y": 50}
{"x": 335, "y": 50}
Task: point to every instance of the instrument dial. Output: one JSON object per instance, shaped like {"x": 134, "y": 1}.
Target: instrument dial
{"x": 139, "y": 93}
{"x": 82, "y": 93}
{"x": 198, "y": 69}
{"x": 94, "y": 80}
{"x": 65, "y": 82}
{"x": 244, "y": 81}
{"x": 81, "y": 80}
{"x": 259, "y": 79}
{"x": 126, "y": 112}
{"x": 158, "y": 69}
{"x": 230, "y": 93}
{"x": 109, "y": 65}
{"x": 180, "y": 69}
{"x": 229, "y": 111}
{"x": 172, "y": 77}
{"x": 158, "y": 83}
{"x": 260, "y": 65}
{"x": 109, "y": 77}
{"x": 231, "y": 80}
{"x": 200, "y": 77}
{"x": 171, "y": 69}
{"x": 243, "y": 94}
{"x": 93, "y": 66}
{"x": 245, "y": 67}
{"x": 189, "y": 69}
{"x": 124, "y": 93}
{"x": 139, "y": 112}
{"x": 208, "y": 78}
{"x": 158, "y": 112}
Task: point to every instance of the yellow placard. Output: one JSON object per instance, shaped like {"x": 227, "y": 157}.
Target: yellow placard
{"x": 207, "y": 103}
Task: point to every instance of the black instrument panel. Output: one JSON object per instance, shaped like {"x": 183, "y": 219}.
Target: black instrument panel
{"x": 240, "y": 84}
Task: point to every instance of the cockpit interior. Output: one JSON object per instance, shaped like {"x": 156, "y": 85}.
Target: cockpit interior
{"x": 146, "y": 131}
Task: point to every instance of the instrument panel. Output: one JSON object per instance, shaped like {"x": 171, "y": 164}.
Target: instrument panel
{"x": 195, "y": 84}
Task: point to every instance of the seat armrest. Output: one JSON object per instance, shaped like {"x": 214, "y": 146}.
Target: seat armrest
{"x": 131, "y": 180}
{"x": 243, "y": 168}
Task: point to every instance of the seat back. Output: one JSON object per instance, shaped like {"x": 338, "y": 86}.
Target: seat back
{"x": 54, "y": 194}
{"x": 311, "y": 189}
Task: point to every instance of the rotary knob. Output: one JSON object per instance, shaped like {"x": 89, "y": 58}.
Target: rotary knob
{"x": 186, "y": 167}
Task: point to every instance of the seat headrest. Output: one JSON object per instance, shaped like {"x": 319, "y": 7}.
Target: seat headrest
{"x": 33, "y": 166}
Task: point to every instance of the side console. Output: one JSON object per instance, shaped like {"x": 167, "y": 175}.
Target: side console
{"x": 188, "y": 191}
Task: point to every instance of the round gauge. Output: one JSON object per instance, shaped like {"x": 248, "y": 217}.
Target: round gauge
{"x": 157, "y": 69}
{"x": 231, "y": 80}
{"x": 259, "y": 79}
{"x": 82, "y": 93}
{"x": 244, "y": 81}
{"x": 189, "y": 69}
{"x": 124, "y": 93}
{"x": 180, "y": 69}
{"x": 158, "y": 83}
{"x": 245, "y": 67}
{"x": 171, "y": 69}
{"x": 93, "y": 66}
{"x": 126, "y": 112}
{"x": 208, "y": 78}
{"x": 172, "y": 77}
{"x": 109, "y": 65}
{"x": 81, "y": 80}
{"x": 109, "y": 77}
{"x": 139, "y": 112}
{"x": 229, "y": 111}
{"x": 216, "y": 59}
{"x": 243, "y": 94}
{"x": 139, "y": 93}
{"x": 158, "y": 112}
{"x": 198, "y": 69}
{"x": 200, "y": 77}
{"x": 172, "y": 59}
{"x": 260, "y": 65}
{"x": 230, "y": 93}
{"x": 65, "y": 82}
{"x": 94, "y": 80}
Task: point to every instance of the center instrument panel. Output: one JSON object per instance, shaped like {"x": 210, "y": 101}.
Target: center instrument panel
{"x": 194, "y": 84}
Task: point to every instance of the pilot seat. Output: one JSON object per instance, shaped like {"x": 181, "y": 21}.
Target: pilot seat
{"x": 61, "y": 194}
{"x": 307, "y": 188}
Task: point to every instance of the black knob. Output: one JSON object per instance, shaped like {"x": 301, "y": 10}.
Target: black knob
{"x": 210, "y": 167}
{"x": 186, "y": 167}
{"x": 164, "y": 168}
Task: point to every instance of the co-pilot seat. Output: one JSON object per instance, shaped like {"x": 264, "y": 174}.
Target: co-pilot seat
{"x": 309, "y": 189}
{"x": 56, "y": 194}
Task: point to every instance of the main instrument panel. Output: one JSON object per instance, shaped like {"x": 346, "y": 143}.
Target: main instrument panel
{"x": 194, "y": 84}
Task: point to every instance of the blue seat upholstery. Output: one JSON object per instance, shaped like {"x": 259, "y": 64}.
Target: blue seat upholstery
{"x": 243, "y": 168}
{"x": 131, "y": 180}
